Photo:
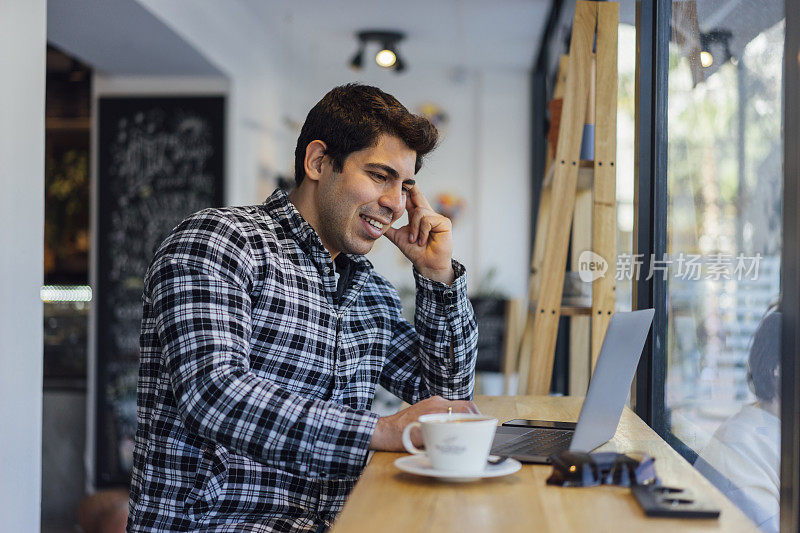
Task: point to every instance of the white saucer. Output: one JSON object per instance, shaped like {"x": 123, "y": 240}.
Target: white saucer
{"x": 420, "y": 465}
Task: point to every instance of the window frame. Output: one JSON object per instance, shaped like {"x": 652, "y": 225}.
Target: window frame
{"x": 652, "y": 35}
{"x": 651, "y": 200}
{"x": 790, "y": 276}
{"x": 650, "y": 234}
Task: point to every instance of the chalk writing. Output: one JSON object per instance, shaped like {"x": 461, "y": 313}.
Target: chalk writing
{"x": 160, "y": 159}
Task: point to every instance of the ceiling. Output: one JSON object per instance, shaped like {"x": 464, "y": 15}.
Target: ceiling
{"x": 125, "y": 37}
{"x": 122, "y": 37}
{"x": 439, "y": 33}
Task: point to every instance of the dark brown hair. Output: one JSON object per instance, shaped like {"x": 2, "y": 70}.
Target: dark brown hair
{"x": 352, "y": 117}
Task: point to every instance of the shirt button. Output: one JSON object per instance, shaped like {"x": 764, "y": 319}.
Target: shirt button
{"x": 448, "y": 293}
{"x": 327, "y": 270}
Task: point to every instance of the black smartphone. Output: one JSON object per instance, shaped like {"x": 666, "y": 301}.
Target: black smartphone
{"x": 522, "y": 423}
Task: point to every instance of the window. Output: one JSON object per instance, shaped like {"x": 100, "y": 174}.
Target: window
{"x": 722, "y": 267}
{"x": 626, "y": 128}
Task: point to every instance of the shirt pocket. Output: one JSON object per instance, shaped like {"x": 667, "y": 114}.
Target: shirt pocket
{"x": 209, "y": 481}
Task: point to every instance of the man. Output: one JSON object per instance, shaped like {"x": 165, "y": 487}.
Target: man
{"x": 265, "y": 332}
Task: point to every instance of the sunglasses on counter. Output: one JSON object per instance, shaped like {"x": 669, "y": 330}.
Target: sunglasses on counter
{"x": 580, "y": 469}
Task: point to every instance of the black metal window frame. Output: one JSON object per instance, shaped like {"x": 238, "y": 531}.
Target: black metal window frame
{"x": 653, "y": 31}
{"x": 652, "y": 55}
{"x": 790, "y": 275}
{"x": 652, "y": 62}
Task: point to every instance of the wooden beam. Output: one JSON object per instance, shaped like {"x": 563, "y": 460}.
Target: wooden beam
{"x": 604, "y": 237}
{"x": 580, "y": 326}
{"x": 563, "y": 198}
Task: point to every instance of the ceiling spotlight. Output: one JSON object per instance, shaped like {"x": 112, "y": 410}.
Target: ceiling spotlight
{"x": 720, "y": 40}
{"x": 387, "y": 57}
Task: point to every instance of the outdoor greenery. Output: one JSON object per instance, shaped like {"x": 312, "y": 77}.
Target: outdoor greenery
{"x": 67, "y": 218}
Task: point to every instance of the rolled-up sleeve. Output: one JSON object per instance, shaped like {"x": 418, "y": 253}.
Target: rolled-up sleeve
{"x": 199, "y": 288}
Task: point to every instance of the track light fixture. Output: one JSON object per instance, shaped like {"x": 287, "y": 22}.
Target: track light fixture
{"x": 387, "y": 55}
{"x": 358, "y": 60}
{"x": 717, "y": 38}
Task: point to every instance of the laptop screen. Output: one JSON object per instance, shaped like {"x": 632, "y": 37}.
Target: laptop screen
{"x": 612, "y": 378}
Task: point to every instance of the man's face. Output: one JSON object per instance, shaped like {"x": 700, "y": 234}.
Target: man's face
{"x": 356, "y": 206}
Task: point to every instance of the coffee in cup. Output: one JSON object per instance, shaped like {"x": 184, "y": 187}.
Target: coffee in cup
{"x": 454, "y": 442}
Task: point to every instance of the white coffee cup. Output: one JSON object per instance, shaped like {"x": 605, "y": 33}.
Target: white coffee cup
{"x": 454, "y": 442}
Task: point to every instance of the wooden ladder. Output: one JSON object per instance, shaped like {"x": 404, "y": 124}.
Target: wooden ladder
{"x": 571, "y": 190}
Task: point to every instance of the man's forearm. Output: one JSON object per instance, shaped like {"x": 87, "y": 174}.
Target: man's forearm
{"x": 300, "y": 432}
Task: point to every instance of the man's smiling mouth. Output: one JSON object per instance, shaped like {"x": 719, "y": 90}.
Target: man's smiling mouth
{"x": 373, "y": 222}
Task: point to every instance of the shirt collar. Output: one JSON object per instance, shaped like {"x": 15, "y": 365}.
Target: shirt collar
{"x": 283, "y": 211}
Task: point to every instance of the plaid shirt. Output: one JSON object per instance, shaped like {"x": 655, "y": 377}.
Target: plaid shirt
{"x": 255, "y": 384}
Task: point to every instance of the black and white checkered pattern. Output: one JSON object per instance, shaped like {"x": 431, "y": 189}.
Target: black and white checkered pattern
{"x": 255, "y": 387}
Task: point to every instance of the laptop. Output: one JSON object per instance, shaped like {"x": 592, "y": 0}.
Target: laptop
{"x": 533, "y": 441}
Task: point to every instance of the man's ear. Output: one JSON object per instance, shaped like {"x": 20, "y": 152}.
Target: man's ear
{"x": 314, "y": 161}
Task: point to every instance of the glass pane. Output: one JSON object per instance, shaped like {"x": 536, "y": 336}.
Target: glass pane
{"x": 724, "y": 245}
{"x": 626, "y": 130}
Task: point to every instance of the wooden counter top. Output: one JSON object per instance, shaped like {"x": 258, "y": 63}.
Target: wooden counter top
{"x": 386, "y": 499}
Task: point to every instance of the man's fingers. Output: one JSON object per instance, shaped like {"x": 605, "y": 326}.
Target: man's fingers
{"x": 391, "y": 234}
{"x": 398, "y": 236}
{"x": 410, "y": 209}
{"x": 431, "y": 223}
{"x": 421, "y": 222}
{"x": 425, "y": 227}
{"x": 409, "y": 204}
{"x": 418, "y": 199}
{"x": 414, "y": 219}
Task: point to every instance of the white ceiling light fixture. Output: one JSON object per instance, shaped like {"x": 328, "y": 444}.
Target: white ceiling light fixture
{"x": 706, "y": 59}
{"x": 388, "y": 56}
{"x": 719, "y": 39}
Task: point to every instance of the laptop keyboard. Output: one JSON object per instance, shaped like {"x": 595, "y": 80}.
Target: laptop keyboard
{"x": 537, "y": 442}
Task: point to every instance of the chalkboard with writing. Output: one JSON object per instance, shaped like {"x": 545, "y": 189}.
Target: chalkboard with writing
{"x": 159, "y": 159}
{"x": 490, "y": 314}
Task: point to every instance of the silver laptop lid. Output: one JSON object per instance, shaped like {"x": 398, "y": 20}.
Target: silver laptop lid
{"x": 612, "y": 378}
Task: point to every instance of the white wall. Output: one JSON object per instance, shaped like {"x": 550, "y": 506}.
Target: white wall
{"x": 22, "y": 62}
{"x": 503, "y": 181}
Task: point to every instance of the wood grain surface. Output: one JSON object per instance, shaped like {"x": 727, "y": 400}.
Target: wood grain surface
{"x": 604, "y": 238}
{"x": 554, "y": 261}
{"x": 386, "y": 499}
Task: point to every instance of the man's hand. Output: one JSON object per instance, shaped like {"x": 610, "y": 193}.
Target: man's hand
{"x": 388, "y": 434}
{"x": 426, "y": 240}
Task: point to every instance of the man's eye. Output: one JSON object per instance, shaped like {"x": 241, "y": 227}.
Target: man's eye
{"x": 378, "y": 176}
